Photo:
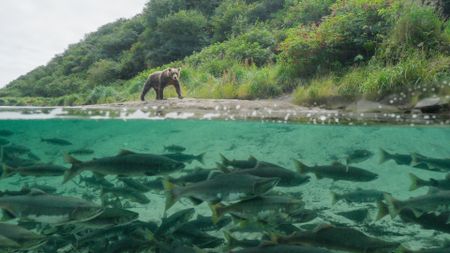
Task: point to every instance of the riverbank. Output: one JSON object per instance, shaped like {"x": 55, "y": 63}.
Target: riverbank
{"x": 277, "y": 110}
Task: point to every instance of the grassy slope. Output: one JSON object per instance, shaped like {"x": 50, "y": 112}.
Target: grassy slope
{"x": 318, "y": 49}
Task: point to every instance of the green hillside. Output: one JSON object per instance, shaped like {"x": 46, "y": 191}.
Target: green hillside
{"x": 319, "y": 50}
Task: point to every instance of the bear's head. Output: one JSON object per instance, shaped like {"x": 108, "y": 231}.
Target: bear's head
{"x": 174, "y": 73}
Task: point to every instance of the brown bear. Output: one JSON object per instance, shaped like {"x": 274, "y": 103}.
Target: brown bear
{"x": 160, "y": 79}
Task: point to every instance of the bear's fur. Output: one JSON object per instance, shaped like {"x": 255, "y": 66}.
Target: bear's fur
{"x": 161, "y": 79}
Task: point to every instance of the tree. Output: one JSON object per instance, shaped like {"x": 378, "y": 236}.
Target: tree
{"x": 103, "y": 72}
{"x": 177, "y": 36}
{"x": 228, "y": 18}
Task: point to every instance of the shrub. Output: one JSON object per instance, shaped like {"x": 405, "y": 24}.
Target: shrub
{"x": 408, "y": 75}
{"x": 350, "y": 83}
{"x": 264, "y": 9}
{"x": 318, "y": 92}
{"x": 102, "y": 95}
{"x": 350, "y": 33}
{"x": 260, "y": 83}
{"x": 255, "y": 47}
{"x": 418, "y": 28}
{"x": 412, "y": 76}
{"x": 307, "y": 12}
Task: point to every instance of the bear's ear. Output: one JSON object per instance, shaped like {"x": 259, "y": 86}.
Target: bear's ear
{"x": 179, "y": 70}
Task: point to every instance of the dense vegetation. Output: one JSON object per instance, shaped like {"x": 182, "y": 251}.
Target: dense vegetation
{"x": 321, "y": 50}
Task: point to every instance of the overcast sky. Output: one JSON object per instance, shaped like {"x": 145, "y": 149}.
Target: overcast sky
{"x": 33, "y": 31}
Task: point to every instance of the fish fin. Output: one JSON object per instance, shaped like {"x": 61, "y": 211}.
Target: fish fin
{"x": 416, "y": 159}
{"x": 70, "y": 159}
{"x": 434, "y": 181}
{"x": 231, "y": 241}
{"x": 223, "y": 168}
{"x": 8, "y": 215}
{"x": 217, "y": 211}
{"x": 265, "y": 184}
{"x": 433, "y": 190}
{"x": 103, "y": 191}
{"x": 301, "y": 168}
{"x": 448, "y": 220}
{"x": 335, "y": 198}
{"x": 225, "y": 161}
{"x": 393, "y": 205}
{"x": 125, "y": 152}
{"x": 252, "y": 158}
{"x": 199, "y": 216}
{"x": 318, "y": 176}
{"x": 417, "y": 213}
{"x": 322, "y": 227}
{"x": 384, "y": 156}
{"x": 447, "y": 177}
{"x": 71, "y": 173}
{"x": 197, "y": 249}
{"x": 213, "y": 174}
{"x": 36, "y": 192}
{"x": 171, "y": 196}
{"x": 200, "y": 158}
{"x": 195, "y": 201}
{"x": 401, "y": 249}
{"x": 101, "y": 176}
{"x": 274, "y": 239}
{"x": 415, "y": 182}
{"x": 238, "y": 220}
{"x": 383, "y": 210}
{"x": 337, "y": 163}
{"x": 7, "y": 171}
{"x": 74, "y": 170}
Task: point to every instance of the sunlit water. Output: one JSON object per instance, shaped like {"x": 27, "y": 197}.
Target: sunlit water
{"x": 275, "y": 143}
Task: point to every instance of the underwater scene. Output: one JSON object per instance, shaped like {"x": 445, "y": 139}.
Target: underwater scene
{"x": 78, "y": 185}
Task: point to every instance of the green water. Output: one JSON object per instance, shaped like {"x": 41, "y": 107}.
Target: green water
{"x": 275, "y": 143}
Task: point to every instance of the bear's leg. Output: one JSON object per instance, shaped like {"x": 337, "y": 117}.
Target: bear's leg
{"x": 178, "y": 89}
{"x": 146, "y": 88}
{"x": 161, "y": 93}
{"x": 157, "y": 93}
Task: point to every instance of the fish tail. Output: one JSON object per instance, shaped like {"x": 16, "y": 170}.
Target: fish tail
{"x": 416, "y": 182}
{"x": 414, "y": 159}
{"x": 274, "y": 239}
{"x": 384, "y": 156}
{"x": 392, "y": 204}
{"x": 225, "y": 161}
{"x": 74, "y": 170}
{"x": 171, "y": 196}
{"x": 383, "y": 210}
{"x": 401, "y": 249}
{"x": 223, "y": 168}
{"x": 301, "y": 167}
{"x": 335, "y": 198}
{"x": 103, "y": 191}
{"x": 200, "y": 158}
{"x": 7, "y": 171}
{"x": 217, "y": 211}
{"x": 232, "y": 242}
{"x": 70, "y": 159}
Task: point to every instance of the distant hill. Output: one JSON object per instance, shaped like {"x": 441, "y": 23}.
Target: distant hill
{"x": 317, "y": 49}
